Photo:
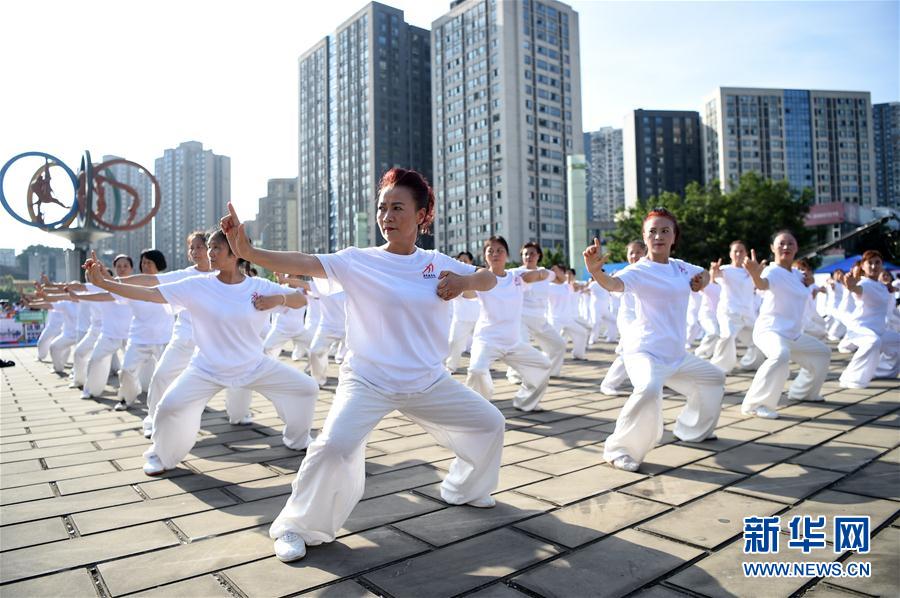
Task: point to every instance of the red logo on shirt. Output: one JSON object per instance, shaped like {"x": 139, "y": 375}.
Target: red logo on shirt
{"x": 428, "y": 272}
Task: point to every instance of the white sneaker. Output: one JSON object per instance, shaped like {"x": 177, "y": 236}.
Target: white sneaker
{"x": 818, "y": 399}
{"x": 766, "y": 413}
{"x": 121, "y": 406}
{"x": 148, "y": 429}
{"x": 74, "y": 384}
{"x": 290, "y": 547}
{"x": 246, "y": 420}
{"x": 485, "y": 502}
{"x": 626, "y": 463}
{"x": 609, "y": 391}
{"x": 85, "y": 394}
{"x": 153, "y": 466}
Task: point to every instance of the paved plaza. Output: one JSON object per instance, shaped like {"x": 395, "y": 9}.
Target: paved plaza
{"x": 80, "y": 518}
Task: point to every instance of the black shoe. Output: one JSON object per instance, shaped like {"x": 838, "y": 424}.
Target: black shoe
{"x": 6, "y": 364}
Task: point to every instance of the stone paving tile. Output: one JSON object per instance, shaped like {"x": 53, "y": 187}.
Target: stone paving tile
{"x": 455, "y": 523}
{"x": 682, "y": 485}
{"x": 264, "y": 488}
{"x": 234, "y": 518}
{"x": 150, "y": 510}
{"x": 751, "y": 458}
{"x": 711, "y": 520}
{"x": 885, "y": 560}
{"x": 343, "y": 589}
{"x": 800, "y": 437}
{"x": 204, "y": 481}
{"x": 720, "y": 575}
{"x": 838, "y": 456}
{"x": 43, "y": 453}
{"x": 151, "y": 569}
{"x": 580, "y": 484}
{"x": 670, "y": 456}
{"x": 22, "y": 467}
{"x": 463, "y": 566}
{"x": 830, "y": 504}
{"x": 878, "y": 479}
{"x": 497, "y": 590}
{"x": 786, "y": 483}
{"x": 25, "y": 493}
{"x": 53, "y": 475}
{"x": 76, "y": 583}
{"x": 67, "y": 505}
{"x": 872, "y": 436}
{"x": 205, "y": 586}
{"x": 567, "y": 461}
{"x": 112, "y": 480}
{"x": 618, "y": 564}
{"x": 325, "y": 563}
{"x": 406, "y": 479}
{"x": 593, "y": 518}
{"x": 30, "y": 534}
{"x": 58, "y": 556}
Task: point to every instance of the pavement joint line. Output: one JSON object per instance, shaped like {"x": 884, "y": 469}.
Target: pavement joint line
{"x": 98, "y": 581}
{"x": 43, "y": 463}
{"x": 226, "y": 583}
{"x": 670, "y": 586}
{"x": 71, "y": 528}
{"x": 55, "y": 489}
{"x": 183, "y": 538}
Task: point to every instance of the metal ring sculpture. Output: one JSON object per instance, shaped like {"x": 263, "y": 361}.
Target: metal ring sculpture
{"x": 39, "y": 192}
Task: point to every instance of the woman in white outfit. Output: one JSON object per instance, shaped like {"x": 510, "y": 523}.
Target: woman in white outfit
{"x": 115, "y": 321}
{"x": 654, "y": 350}
{"x": 778, "y": 333}
{"x": 564, "y": 315}
{"x": 150, "y": 332}
{"x": 227, "y": 310}
{"x": 85, "y": 346}
{"x": 331, "y": 329}
{"x": 709, "y": 302}
{"x": 53, "y": 322}
{"x": 846, "y": 308}
{"x": 736, "y": 311}
{"x": 398, "y": 329}
{"x": 603, "y": 320}
{"x": 875, "y": 343}
{"x": 534, "y": 310}
{"x": 61, "y": 346}
{"x": 625, "y": 317}
{"x": 834, "y": 289}
{"x": 462, "y": 322}
{"x": 498, "y": 333}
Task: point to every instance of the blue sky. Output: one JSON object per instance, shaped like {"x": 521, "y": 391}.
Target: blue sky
{"x": 223, "y": 72}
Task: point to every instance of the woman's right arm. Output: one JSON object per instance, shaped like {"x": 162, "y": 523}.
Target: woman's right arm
{"x": 289, "y": 262}
{"x": 94, "y": 271}
{"x": 594, "y": 260}
{"x": 755, "y": 270}
{"x": 141, "y": 280}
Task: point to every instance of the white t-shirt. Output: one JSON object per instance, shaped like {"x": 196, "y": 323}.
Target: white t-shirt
{"x": 737, "y": 292}
{"x": 287, "y": 320}
{"x": 115, "y": 319}
{"x": 465, "y": 310}
{"x": 69, "y": 311}
{"x": 872, "y": 306}
{"x": 332, "y": 306}
{"x": 95, "y": 307}
{"x": 599, "y": 297}
{"x": 710, "y": 299}
{"x": 500, "y": 322}
{"x": 537, "y": 293}
{"x": 783, "y": 303}
{"x": 226, "y": 325}
{"x": 563, "y": 304}
{"x": 83, "y": 318}
{"x": 313, "y": 313}
{"x": 152, "y": 322}
{"x": 661, "y": 294}
{"x": 183, "y": 330}
{"x": 398, "y": 329}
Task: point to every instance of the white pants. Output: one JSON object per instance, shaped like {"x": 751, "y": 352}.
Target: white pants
{"x": 732, "y": 327}
{"x": 82, "y": 355}
{"x": 237, "y": 403}
{"x": 603, "y": 319}
{"x": 812, "y": 355}
{"x": 460, "y": 338}
{"x": 47, "y": 335}
{"x": 710, "y": 337}
{"x": 872, "y": 350}
{"x": 276, "y": 338}
{"x": 814, "y": 325}
{"x": 318, "y": 353}
{"x": 532, "y": 365}
{"x": 60, "y": 351}
{"x": 836, "y": 329}
{"x": 639, "y": 426}
{"x": 137, "y": 358}
{"x": 178, "y": 414}
{"x": 332, "y": 477}
{"x": 171, "y": 363}
{"x": 615, "y": 375}
{"x": 548, "y": 339}
{"x": 100, "y": 362}
{"x": 575, "y": 330}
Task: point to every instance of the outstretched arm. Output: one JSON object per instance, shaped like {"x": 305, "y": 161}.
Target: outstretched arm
{"x": 594, "y": 260}
{"x": 754, "y": 269}
{"x": 94, "y": 271}
{"x": 536, "y": 275}
{"x": 290, "y": 262}
{"x": 453, "y": 285}
{"x": 141, "y": 280}
{"x": 291, "y": 300}
{"x": 852, "y": 284}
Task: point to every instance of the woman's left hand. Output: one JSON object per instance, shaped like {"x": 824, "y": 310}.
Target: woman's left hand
{"x": 264, "y": 302}
{"x": 451, "y": 285}
{"x": 697, "y": 282}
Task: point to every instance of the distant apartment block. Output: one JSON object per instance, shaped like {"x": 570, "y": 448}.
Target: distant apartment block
{"x": 886, "y": 125}
{"x": 277, "y": 216}
{"x": 605, "y": 177}
{"x": 506, "y": 111}
{"x": 662, "y": 152}
{"x": 196, "y": 186}
{"x": 129, "y": 242}
{"x": 364, "y": 107}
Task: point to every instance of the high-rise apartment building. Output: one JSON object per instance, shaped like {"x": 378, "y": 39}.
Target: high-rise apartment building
{"x": 129, "y": 242}
{"x": 195, "y": 186}
{"x": 364, "y": 107}
{"x": 507, "y": 111}
{"x": 817, "y": 139}
{"x": 662, "y": 152}
{"x": 886, "y": 125}
{"x": 605, "y": 177}
{"x": 277, "y": 216}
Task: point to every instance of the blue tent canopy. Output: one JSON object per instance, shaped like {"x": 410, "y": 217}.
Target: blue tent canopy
{"x": 847, "y": 263}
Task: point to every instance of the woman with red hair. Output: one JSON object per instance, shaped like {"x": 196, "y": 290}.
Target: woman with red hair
{"x": 653, "y": 350}
{"x": 867, "y": 330}
{"x": 398, "y": 320}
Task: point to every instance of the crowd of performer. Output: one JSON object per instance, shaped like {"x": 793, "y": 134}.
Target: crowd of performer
{"x": 398, "y": 319}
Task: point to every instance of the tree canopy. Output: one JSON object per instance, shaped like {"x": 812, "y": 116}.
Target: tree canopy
{"x": 710, "y": 220}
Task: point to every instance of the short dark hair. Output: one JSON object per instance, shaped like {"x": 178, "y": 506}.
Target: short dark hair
{"x": 467, "y": 254}
{"x": 156, "y": 256}
{"x": 782, "y": 231}
{"x": 495, "y": 239}
{"x": 535, "y": 246}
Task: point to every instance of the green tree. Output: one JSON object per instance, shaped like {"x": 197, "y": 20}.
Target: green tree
{"x": 553, "y": 256}
{"x": 709, "y": 219}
